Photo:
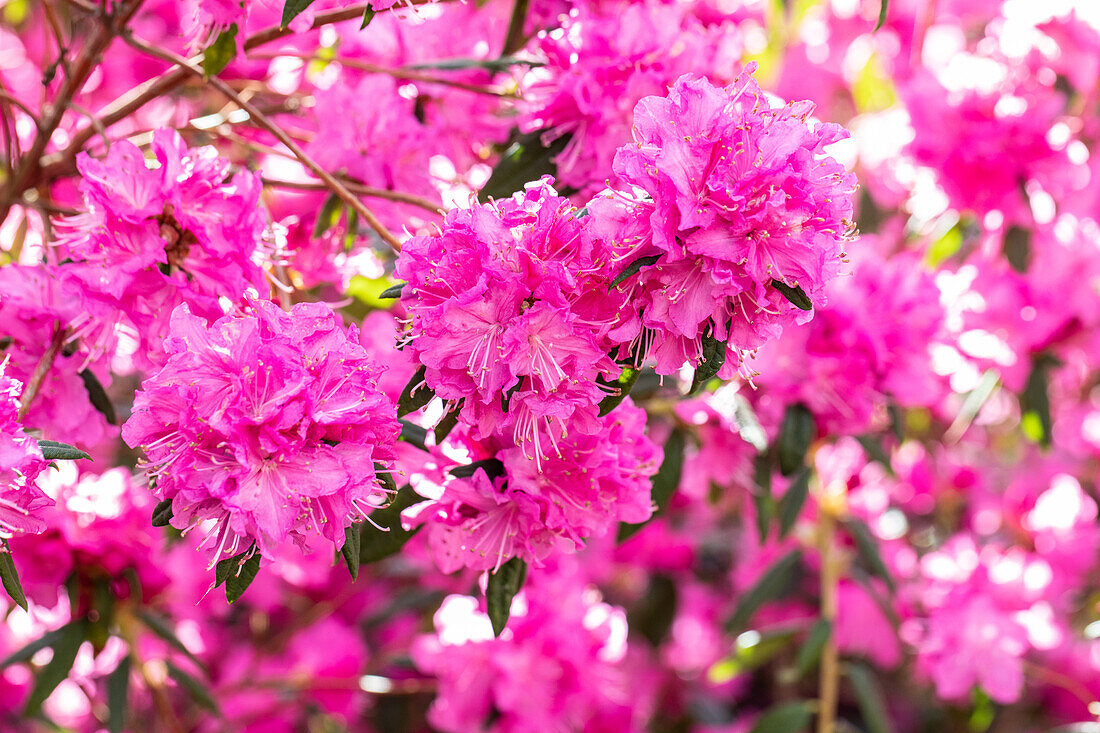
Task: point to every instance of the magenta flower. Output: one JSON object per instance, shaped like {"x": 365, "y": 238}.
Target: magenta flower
{"x": 182, "y": 231}
{"x": 21, "y": 461}
{"x": 739, "y": 194}
{"x": 509, "y": 311}
{"x": 269, "y": 423}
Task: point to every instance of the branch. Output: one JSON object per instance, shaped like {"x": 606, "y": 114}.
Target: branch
{"x": 34, "y": 384}
{"x": 362, "y": 190}
{"x": 263, "y": 121}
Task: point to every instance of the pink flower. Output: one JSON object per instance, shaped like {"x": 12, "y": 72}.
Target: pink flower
{"x": 509, "y": 312}
{"x": 524, "y": 510}
{"x": 182, "y": 231}
{"x": 21, "y": 461}
{"x": 270, "y": 423}
{"x": 740, "y": 194}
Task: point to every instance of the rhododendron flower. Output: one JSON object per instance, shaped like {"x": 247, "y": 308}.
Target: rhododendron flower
{"x": 179, "y": 230}
{"x": 21, "y": 461}
{"x": 740, "y": 195}
{"x": 522, "y": 510}
{"x": 509, "y": 312}
{"x": 269, "y": 423}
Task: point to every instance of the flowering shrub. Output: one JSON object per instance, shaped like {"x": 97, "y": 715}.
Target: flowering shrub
{"x": 557, "y": 365}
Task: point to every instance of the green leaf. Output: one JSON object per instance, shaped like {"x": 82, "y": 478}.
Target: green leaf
{"x": 329, "y": 216}
{"x": 375, "y": 543}
{"x": 795, "y": 437}
{"x": 872, "y": 705}
{"x": 493, "y": 467}
{"x": 393, "y": 291}
{"x": 415, "y": 395}
{"x": 494, "y": 65}
{"x": 875, "y": 451}
{"x": 55, "y": 451}
{"x": 653, "y": 614}
{"x": 623, "y": 385}
{"x": 633, "y": 268}
{"x": 795, "y": 294}
{"x": 810, "y": 651}
{"x": 193, "y": 687}
{"x": 351, "y": 550}
{"x": 790, "y": 506}
{"x": 414, "y": 435}
{"x": 351, "y": 232}
{"x": 503, "y": 586}
{"x": 762, "y": 499}
{"x": 513, "y": 41}
{"x": 792, "y": 717}
{"x": 714, "y": 357}
{"x": 65, "y": 648}
{"x": 24, "y": 653}
{"x": 664, "y": 482}
{"x": 368, "y": 16}
{"x": 228, "y": 566}
{"x": 1035, "y": 403}
{"x": 447, "y": 423}
{"x": 1017, "y": 247}
{"x": 292, "y": 9}
{"x": 97, "y": 395}
{"x": 867, "y": 548}
{"x": 751, "y": 651}
{"x": 10, "y": 577}
{"x": 218, "y": 54}
{"x": 118, "y": 692}
{"x": 160, "y": 626}
{"x": 162, "y": 514}
{"x": 385, "y": 478}
{"x": 236, "y": 584}
{"x": 882, "y": 14}
{"x": 525, "y": 160}
{"x": 771, "y": 586}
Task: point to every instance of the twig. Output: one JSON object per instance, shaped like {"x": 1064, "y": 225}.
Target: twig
{"x": 829, "y": 507}
{"x": 361, "y": 190}
{"x": 262, "y": 120}
{"x": 34, "y": 384}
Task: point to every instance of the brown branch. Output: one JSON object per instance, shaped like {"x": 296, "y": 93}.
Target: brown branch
{"x": 41, "y": 370}
{"x": 361, "y": 190}
{"x": 263, "y": 121}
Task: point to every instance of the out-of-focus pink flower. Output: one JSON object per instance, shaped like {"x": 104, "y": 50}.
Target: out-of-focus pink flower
{"x": 20, "y": 463}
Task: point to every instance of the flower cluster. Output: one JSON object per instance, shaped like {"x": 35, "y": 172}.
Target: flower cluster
{"x": 21, "y": 461}
{"x": 269, "y": 423}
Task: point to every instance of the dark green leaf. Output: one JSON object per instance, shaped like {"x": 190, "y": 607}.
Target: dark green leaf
{"x": 882, "y": 14}
{"x": 55, "y": 451}
{"x": 118, "y": 692}
{"x": 24, "y": 653}
{"x": 385, "y": 478}
{"x": 633, "y": 268}
{"x": 1017, "y": 247}
{"x": 351, "y": 233}
{"x": 867, "y": 548}
{"x": 393, "y": 291}
{"x": 506, "y": 397}
{"x": 790, "y": 506}
{"x": 1035, "y": 403}
{"x": 871, "y": 703}
{"x": 163, "y": 628}
{"x": 874, "y": 450}
{"x": 762, "y": 498}
{"x": 97, "y": 395}
{"x": 193, "y": 687}
{"x": 664, "y": 482}
{"x": 329, "y": 216}
{"x": 415, "y": 395}
{"x": 237, "y": 584}
{"x": 219, "y": 53}
{"x": 375, "y": 543}
{"x": 525, "y": 160}
{"x": 513, "y": 41}
{"x": 447, "y": 423}
{"x": 503, "y": 586}
{"x": 492, "y": 467}
{"x": 772, "y": 585}
{"x": 65, "y": 648}
{"x": 795, "y": 437}
{"x": 414, "y": 435}
{"x": 10, "y": 577}
{"x": 351, "y": 550}
{"x": 796, "y": 295}
{"x": 714, "y": 357}
{"x": 228, "y": 566}
{"x": 494, "y": 65}
{"x": 653, "y": 614}
{"x": 623, "y": 384}
{"x": 810, "y": 651}
{"x": 292, "y": 9}
{"x": 162, "y": 514}
{"x": 792, "y": 717}
{"x": 368, "y": 16}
